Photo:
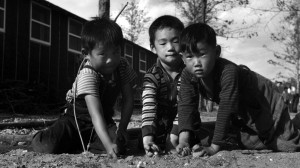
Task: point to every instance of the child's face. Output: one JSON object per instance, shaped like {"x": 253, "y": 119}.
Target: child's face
{"x": 166, "y": 45}
{"x": 202, "y": 63}
{"x": 105, "y": 58}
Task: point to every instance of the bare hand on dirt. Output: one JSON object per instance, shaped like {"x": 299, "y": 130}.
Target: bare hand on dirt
{"x": 183, "y": 149}
{"x": 205, "y": 151}
{"x": 151, "y": 149}
{"x": 113, "y": 151}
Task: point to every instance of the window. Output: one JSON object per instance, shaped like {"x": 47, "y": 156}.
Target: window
{"x": 129, "y": 53}
{"x": 2, "y": 15}
{"x": 74, "y": 36}
{"x": 40, "y": 24}
{"x": 142, "y": 61}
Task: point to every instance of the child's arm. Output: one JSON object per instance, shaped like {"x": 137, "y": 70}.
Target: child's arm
{"x": 228, "y": 105}
{"x": 187, "y": 108}
{"x": 96, "y": 112}
{"x": 126, "y": 111}
{"x": 149, "y": 110}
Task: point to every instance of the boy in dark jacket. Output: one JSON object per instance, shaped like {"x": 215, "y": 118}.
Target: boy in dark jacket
{"x": 246, "y": 99}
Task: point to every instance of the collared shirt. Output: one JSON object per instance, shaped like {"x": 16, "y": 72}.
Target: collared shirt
{"x": 159, "y": 99}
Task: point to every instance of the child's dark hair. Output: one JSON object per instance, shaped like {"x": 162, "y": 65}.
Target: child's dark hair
{"x": 100, "y": 30}
{"x": 164, "y": 22}
{"x": 194, "y": 33}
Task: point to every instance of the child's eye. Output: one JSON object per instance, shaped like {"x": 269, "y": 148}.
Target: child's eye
{"x": 189, "y": 56}
{"x": 162, "y": 44}
{"x": 201, "y": 54}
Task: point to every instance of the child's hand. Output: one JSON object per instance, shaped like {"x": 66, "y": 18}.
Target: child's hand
{"x": 150, "y": 147}
{"x": 113, "y": 151}
{"x": 204, "y": 151}
{"x": 183, "y": 149}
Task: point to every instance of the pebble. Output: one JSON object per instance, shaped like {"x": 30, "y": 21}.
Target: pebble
{"x": 139, "y": 165}
{"x": 21, "y": 143}
{"x": 128, "y": 158}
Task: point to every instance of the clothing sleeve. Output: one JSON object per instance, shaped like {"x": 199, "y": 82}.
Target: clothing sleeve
{"x": 188, "y": 113}
{"x": 150, "y": 84}
{"x": 175, "y": 122}
{"x": 88, "y": 83}
{"x": 127, "y": 73}
{"x": 229, "y": 101}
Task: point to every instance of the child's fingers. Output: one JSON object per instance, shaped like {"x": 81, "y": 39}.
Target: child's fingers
{"x": 149, "y": 153}
{"x": 147, "y": 147}
{"x": 148, "y": 150}
{"x": 151, "y": 149}
{"x": 186, "y": 151}
{"x": 199, "y": 153}
{"x": 197, "y": 148}
{"x": 155, "y": 148}
{"x": 210, "y": 151}
{"x": 179, "y": 149}
{"x": 112, "y": 155}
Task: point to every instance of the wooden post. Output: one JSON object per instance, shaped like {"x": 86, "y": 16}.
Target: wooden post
{"x": 297, "y": 29}
{"x": 298, "y": 56}
{"x": 298, "y": 52}
{"x": 104, "y": 9}
{"x": 204, "y": 3}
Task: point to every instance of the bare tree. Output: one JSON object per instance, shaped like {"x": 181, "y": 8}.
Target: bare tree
{"x": 137, "y": 19}
{"x": 288, "y": 35}
{"x": 207, "y": 11}
{"x": 104, "y": 8}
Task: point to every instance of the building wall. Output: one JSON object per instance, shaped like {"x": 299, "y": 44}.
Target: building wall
{"x": 51, "y": 65}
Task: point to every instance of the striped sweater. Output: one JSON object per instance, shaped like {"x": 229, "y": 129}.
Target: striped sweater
{"x": 159, "y": 98}
{"x": 93, "y": 83}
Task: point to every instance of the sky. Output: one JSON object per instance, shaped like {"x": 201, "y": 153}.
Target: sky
{"x": 247, "y": 51}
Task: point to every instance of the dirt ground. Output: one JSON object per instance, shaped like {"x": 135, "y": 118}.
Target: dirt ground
{"x": 15, "y": 152}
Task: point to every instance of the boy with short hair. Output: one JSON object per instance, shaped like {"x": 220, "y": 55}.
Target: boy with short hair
{"x": 160, "y": 86}
{"x": 251, "y": 102}
{"x": 102, "y": 77}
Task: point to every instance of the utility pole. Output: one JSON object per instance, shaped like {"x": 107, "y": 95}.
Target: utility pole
{"x": 104, "y": 8}
{"x": 297, "y": 36}
{"x": 297, "y": 31}
{"x": 204, "y": 3}
{"x": 298, "y": 51}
